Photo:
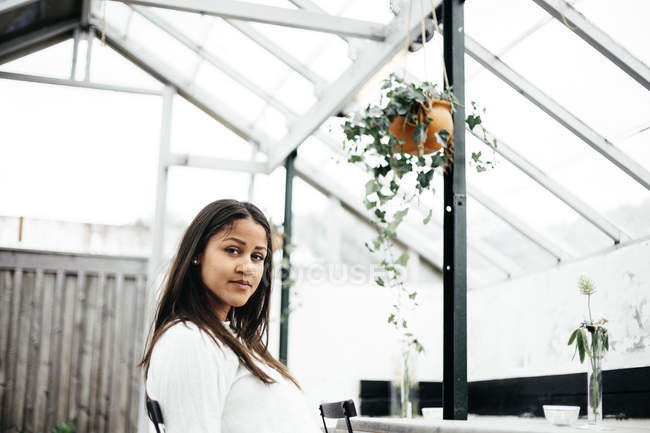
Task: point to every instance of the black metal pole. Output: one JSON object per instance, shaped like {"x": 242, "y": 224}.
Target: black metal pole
{"x": 454, "y": 382}
{"x": 289, "y": 165}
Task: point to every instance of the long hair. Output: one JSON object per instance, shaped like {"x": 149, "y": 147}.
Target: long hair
{"x": 185, "y": 297}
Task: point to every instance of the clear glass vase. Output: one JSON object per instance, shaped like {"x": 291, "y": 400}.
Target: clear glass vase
{"x": 405, "y": 387}
{"x": 595, "y": 381}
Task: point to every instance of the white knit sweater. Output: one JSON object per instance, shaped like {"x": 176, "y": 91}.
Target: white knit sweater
{"x": 202, "y": 388}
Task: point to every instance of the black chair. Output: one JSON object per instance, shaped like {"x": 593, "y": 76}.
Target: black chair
{"x": 155, "y": 415}
{"x": 338, "y": 409}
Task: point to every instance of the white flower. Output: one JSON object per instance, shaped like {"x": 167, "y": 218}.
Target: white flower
{"x": 586, "y": 285}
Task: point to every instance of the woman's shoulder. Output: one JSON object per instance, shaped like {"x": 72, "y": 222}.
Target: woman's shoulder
{"x": 185, "y": 338}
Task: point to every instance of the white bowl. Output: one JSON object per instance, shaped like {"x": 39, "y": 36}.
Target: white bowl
{"x": 561, "y": 415}
{"x": 432, "y": 412}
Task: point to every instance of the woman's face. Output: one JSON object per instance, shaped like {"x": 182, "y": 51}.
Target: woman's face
{"x": 232, "y": 264}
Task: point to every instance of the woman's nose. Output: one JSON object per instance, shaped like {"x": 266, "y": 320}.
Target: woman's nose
{"x": 245, "y": 268}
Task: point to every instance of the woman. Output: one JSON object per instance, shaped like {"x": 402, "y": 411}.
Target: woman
{"x": 207, "y": 362}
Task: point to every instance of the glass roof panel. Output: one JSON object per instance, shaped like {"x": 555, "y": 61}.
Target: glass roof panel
{"x": 109, "y": 66}
{"x": 304, "y": 45}
{"x": 497, "y": 23}
{"x": 552, "y": 148}
{"x": 626, "y": 21}
{"x": 229, "y": 95}
{"x": 259, "y": 66}
{"x": 164, "y": 47}
{"x": 54, "y": 61}
{"x": 532, "y": 204}
{"x": 580, "y": 79}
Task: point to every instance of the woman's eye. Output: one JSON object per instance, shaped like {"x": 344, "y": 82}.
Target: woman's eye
{"x": 258, "y": 257}
{"x": 232, "y": 250}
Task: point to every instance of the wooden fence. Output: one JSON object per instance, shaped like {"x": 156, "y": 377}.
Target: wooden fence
{"x": 71, "y": 332}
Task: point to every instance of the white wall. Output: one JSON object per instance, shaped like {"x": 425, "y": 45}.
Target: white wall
{"x": 339, "y": 333}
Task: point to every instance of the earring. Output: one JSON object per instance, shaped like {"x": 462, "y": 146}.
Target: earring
{"x": 195, "y": 261}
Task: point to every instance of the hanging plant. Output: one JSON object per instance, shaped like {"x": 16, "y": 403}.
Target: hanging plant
{"x": 401, "y": 142}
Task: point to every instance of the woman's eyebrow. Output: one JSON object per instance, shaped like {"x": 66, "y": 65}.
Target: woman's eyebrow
{"x": 239, "y": 241}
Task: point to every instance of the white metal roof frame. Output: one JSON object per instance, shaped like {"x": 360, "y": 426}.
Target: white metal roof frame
{"x": 384, "y": 42}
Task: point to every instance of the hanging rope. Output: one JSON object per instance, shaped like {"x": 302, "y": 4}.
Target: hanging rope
{"x": 424, "y": 38}
{"x": 104, "y": 23}
{"x": 435, "y": 23}
{"x": 408, "y": 39}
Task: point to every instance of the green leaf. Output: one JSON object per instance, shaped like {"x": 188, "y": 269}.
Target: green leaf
{"x": 370, "y": 204}
{"x": 585, "y": 340}
{"x": 355, "y": 158}
{"x": 426, "y": 220}
{"x": 606, "y": 341}
{"x": 391, "y": 318}
{"x": 371, "y": 186}
{"x": 403, "y": 259}
{"x": 413, "y": 295}
{"x": 473, "y": 120}
{"x": 380, "y": 281}
{"x": 404, "y": 325}
{"x": 581, "y": 346}
{"x": 574, "y": 334}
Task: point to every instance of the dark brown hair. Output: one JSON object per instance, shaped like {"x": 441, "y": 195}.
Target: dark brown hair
{"x": 185, "y": 297}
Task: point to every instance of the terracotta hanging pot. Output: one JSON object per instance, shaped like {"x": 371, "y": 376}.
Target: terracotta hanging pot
{"x": 439, "y": 111}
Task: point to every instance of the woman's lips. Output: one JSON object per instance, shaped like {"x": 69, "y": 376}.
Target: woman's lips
{"x": 242, "y": 284}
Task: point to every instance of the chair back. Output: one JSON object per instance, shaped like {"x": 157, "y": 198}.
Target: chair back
{"x": 155, "y": 415}
{"x": 338, "y": 409}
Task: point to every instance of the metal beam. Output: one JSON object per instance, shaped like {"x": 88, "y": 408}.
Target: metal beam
{"x": 309, "y": 5}
{"x": 554, "y": 187}
{"x": 197, "y": 161}
{"x": 601, "y": 41}
{"x": 9, "y": 5}
{"x": 517, "y": 224}
{"x": 81, "y": 84}
{"x": 290, "y": 171}
{"x": 36, "y": 40}
{"x": 280, "y": 53}
{"x": 557, "y": 112}
{"x": 300, "y": 19}
{"x": 454, "y": 371}
{"x": 163, "y": 72}
{"x": 337, "y": 94}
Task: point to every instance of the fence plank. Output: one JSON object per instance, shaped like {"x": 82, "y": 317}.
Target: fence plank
{"x": 5, "y": 316}
{"x": 95, "y": 350}
{"x": 8, "y": 423}
{"x": 32, "y": 356}
{"x": 125, "y": 352}
{"x": 44, "y": 363}
{"x": 25, "y": 317}
{"x": 103, "y": 394}
{"x": 136, "y": 394}
{"x": 67, "y": 339}
{"x": 52, "y": 385}
{"x": 77, "y": 334}
{"x": 6, "y": 296}
{"x": 85, "y": 361}
{"x": 116, "y": 420}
